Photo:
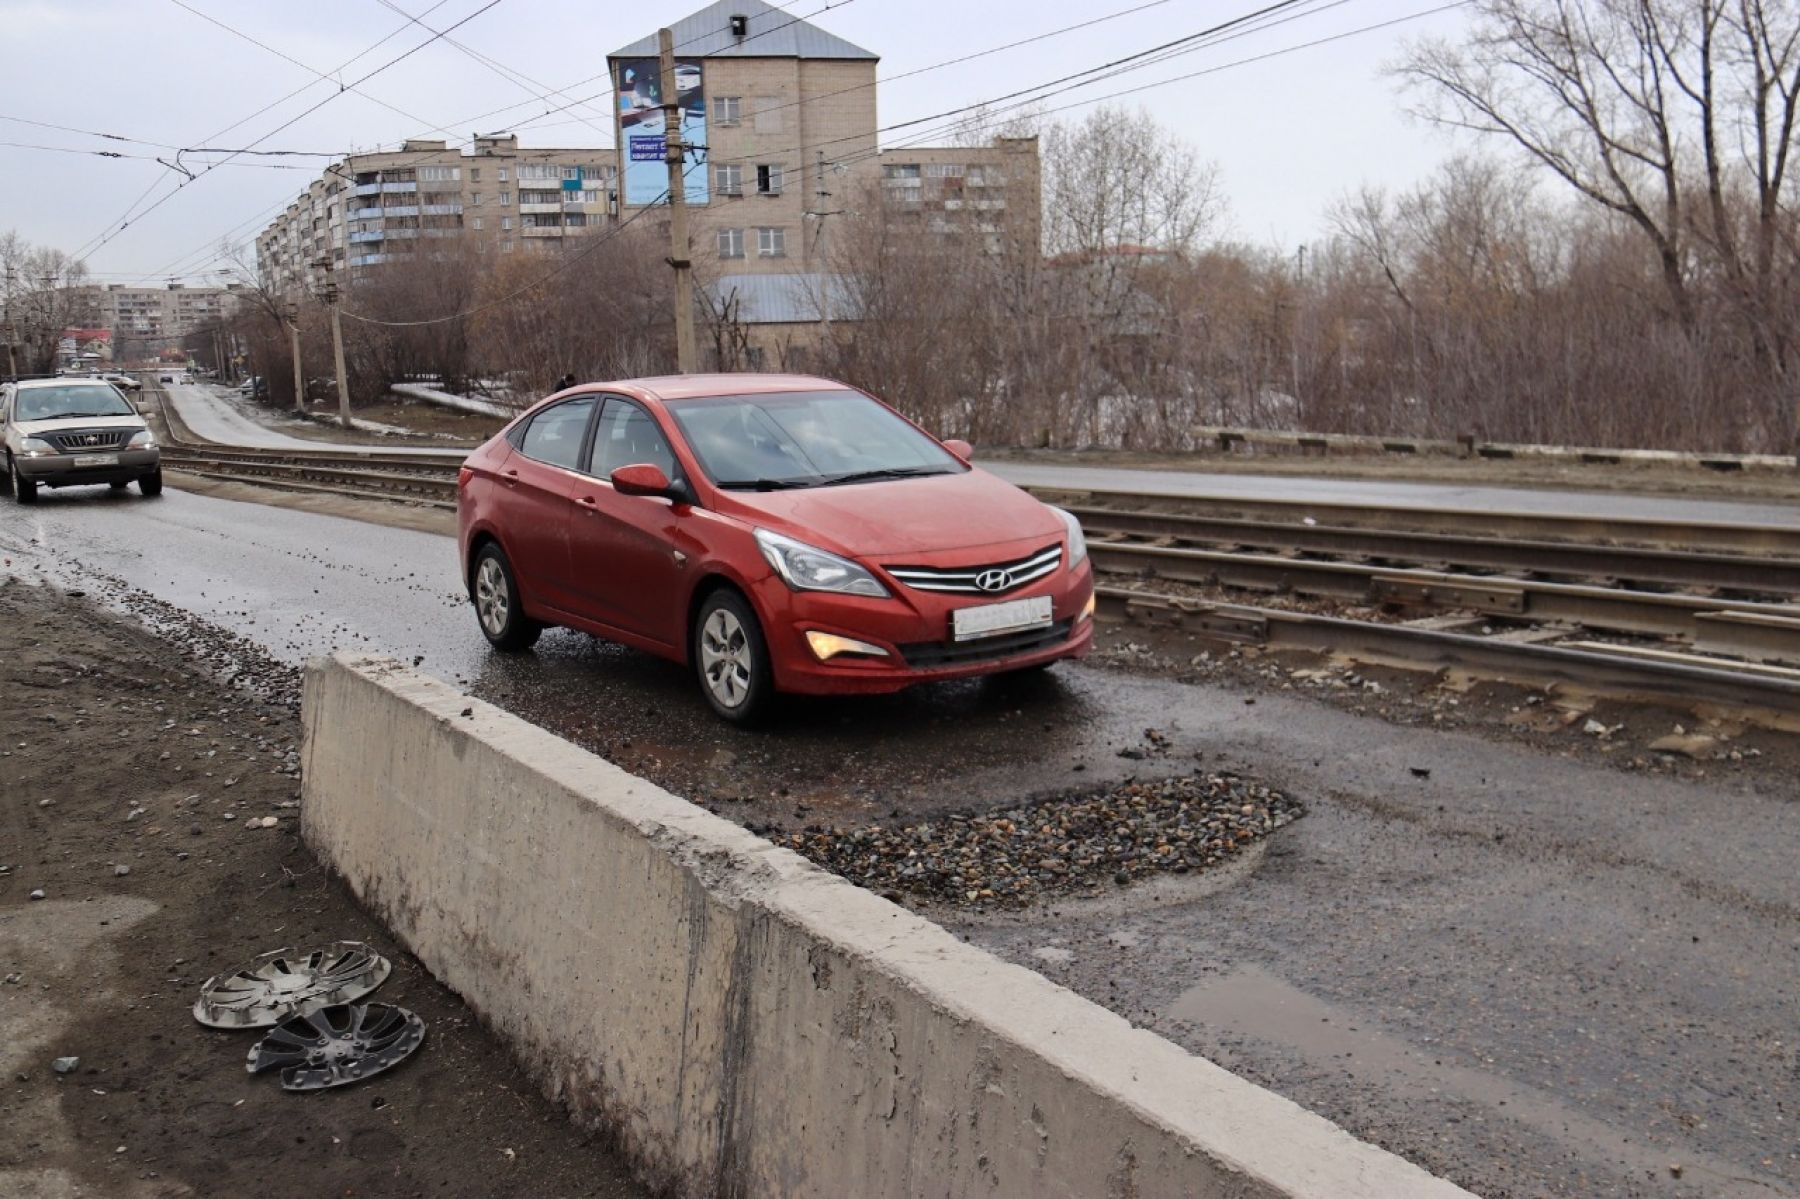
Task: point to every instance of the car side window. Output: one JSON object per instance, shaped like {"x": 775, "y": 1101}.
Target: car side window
{"x": 555, "y": 434}
{"x": 627, "y": 436}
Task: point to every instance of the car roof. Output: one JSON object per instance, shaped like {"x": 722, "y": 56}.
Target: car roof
{"x": 687, "y": 387}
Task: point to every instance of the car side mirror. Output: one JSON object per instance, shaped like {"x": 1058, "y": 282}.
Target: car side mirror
{"x": 641, "y": 478}
{"x": 960, "y": 448}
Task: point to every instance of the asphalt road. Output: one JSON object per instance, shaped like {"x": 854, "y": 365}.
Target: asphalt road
{"x": 1396, "y": 494}
{"x": 213, "y": 416}
{"x": 1534, "y": 976}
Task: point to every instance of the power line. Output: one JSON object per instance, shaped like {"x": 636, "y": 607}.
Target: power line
{"x": 127, "y": 220}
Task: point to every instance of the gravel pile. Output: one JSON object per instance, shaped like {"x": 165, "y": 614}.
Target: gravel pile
{"x": 1017, "y": 855}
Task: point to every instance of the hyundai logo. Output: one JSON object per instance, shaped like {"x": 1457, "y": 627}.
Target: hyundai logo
{"x": 994, "y": 580}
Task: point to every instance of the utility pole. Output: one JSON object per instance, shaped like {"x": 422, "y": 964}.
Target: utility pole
{"x": 675, "y": 152}
{"x": 293, "y": 324}
{"x": 12, "y": 363}
{"x": 819, "y": 260}
{"x": 337, "y": 343}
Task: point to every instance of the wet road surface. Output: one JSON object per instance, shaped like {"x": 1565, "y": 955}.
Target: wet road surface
{"x": 1395, "y": 494}
{"x": 1532, "y": 975}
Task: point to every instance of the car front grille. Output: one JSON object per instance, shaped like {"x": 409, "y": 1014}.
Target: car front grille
{"x": 994, "y": 579}
{"x": 927, "y": 654}
{"x": 89, "y": 439}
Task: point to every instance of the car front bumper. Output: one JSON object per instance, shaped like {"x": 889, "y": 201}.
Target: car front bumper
{"x": 913, "y": 630}
{"x": 66, "y": 470}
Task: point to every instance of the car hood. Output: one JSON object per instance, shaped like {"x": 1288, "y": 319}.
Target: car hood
{"x": 32, "y": 428}
{"x": 902, "y": 516}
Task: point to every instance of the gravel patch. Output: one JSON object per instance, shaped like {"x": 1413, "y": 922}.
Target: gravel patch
{"x": 1012, "y": 857}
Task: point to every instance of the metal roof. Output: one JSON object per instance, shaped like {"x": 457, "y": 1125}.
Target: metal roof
{"x": 772, "y": 34}
{"x": 780, "y": 299}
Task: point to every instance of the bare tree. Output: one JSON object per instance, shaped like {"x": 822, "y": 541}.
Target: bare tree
{"x": 1678, "y": 116}
{"x": 46, "y": 294}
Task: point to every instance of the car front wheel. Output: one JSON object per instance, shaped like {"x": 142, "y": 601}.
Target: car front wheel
{"x": 732, "y": 658}
{"x": 151, "y": 484}
{"x": 24, "y": 490}
{"x": 496, "y": 592}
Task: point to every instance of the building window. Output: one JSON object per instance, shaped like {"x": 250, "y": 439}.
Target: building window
{"x": 768, "y": 178}
{"x": 899, "y": 170}
{"x": 479, "y": 224}
{"x": 506, "y": 247}
{"x": 474, "y": 174}
{"x": 506, "y": 222}
{"x": 731, "y": 243}
{"x": 475, "y": 198}
{"x": 505, "y": 199}
{"x": 571, "y": 172}
{"x": 728, "y": 178}
{"x": 728, "y": 110}
{"x": 768, "y": 113}
{"x": 771, "y": 243}
{"x": 439, "y": 174}
{"x": 943, "y": 170}
{"x": 503, "y": 174}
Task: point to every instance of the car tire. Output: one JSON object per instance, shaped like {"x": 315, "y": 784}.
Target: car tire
{"x": 498, "y": 611}
{"x": 731, "y": 658}
{"x": 151, "y": 484}
{"x": 6, "y": 486}
{"x": 24, "y": 490}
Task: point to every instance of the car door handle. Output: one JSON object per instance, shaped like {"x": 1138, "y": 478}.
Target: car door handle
{"x": 512, "y": 478}
{"x": 587, "y": 502}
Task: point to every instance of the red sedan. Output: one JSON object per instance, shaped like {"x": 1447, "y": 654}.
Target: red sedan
{"x": 780, "y": 533}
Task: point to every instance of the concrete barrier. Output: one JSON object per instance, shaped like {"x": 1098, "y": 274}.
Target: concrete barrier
{"x": 742, "y": 1022}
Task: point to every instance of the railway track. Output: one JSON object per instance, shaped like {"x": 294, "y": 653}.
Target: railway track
{"x": 1673, "y": 610}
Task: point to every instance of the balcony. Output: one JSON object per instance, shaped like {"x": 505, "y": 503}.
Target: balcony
{"x": 441, "y": 209}
{"x": 366, "y": 189}
{"x": 357, "y": 239}
{"x": 365, "y": 214}
{"x": 555, "y": 206}
{"x": 542, "y": 231}
{"x": 400, "y": 210}
{"x": 401, "y": 234}
{"x": 408, "y": 186}
{"x": 368, "y": 260}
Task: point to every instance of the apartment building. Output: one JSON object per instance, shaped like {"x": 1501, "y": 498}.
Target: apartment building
{"x": 144, "y": 320}
{"x": 786, "y": 114}
{"x": 371, "y": 209}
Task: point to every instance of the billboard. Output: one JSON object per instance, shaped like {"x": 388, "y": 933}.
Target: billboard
{"x": 639, "y": 88}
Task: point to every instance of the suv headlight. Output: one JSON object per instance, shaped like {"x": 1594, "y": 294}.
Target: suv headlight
{"x": 808, "y": 568}
{"x": 143, "y": 439}
{"x": 31, "y": 447}
{"x": 1077, "y": 539}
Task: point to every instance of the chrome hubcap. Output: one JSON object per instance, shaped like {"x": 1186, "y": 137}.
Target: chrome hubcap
{"x": 725, "y": 658}
{"x": 491, "y": 599}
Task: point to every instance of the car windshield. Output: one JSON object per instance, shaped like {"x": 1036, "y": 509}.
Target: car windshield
{"x": 71, "y": 400}
{"x": 805, "y": 439}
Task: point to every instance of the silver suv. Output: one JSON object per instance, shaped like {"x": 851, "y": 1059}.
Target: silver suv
{"x": 73, "y": 432}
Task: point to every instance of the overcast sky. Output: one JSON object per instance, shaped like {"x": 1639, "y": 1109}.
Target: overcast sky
{"x": 1289, "y": 134}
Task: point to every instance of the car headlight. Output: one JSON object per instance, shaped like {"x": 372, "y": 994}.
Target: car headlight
{"x": 808, "y": 568}
{"x": 143, "y": 439}
{"x": 31, "y": 447}
{"x": 1077, "y": 539}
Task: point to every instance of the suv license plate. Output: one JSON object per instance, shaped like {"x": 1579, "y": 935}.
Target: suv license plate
{"x": 990, "y": 620}
{"x": 96, "y": 460}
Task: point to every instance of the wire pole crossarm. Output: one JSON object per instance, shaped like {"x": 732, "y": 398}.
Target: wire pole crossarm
{"x": 686, "y": 355}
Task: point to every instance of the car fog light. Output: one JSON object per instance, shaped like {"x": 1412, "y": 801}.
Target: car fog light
{"x": 1087, "y": 609}
{"x": 826, "y": 646}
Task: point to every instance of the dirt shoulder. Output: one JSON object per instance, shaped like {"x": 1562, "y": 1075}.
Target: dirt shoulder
{"x": 130, "y": 778}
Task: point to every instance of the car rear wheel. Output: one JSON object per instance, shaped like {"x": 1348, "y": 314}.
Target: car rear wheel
{"x": 24, "y": 490}
{"x": 503, "y": 620}
{"x": 151, "y": 484}
{"x": 731, "y": 658}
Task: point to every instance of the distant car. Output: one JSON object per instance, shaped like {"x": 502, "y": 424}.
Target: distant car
{"x": 166, "y": 378}
{"x": 772, "y": 532}
{"x": 71, "y": 433}
{"x": 122, "y": 382}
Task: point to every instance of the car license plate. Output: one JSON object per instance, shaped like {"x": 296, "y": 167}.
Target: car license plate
{"x": 990, "y": 620}
{"x": 96, "y": 460}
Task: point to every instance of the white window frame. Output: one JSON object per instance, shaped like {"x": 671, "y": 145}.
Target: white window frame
{"x": 728, "y": 178}
{"x": 728, "y": 110}
{"x": 771, "y": 242}
{"x": 731, "y": 243}
{"x": 773, "y": 173}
